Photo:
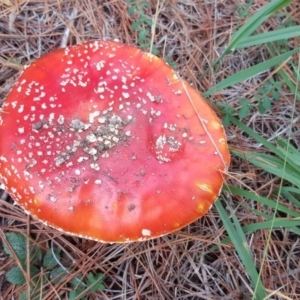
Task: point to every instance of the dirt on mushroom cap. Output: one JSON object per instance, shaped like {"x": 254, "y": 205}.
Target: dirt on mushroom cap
{"x": 104, "y": 141}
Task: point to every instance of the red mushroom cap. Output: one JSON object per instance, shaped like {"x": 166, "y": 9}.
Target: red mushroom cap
{"x": 104, "y": 141}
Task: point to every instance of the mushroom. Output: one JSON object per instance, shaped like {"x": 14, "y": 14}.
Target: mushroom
{"x": 104, "y": 141}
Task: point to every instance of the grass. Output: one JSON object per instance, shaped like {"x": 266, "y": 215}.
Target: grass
{"x": 283, "y": 160}
{"x": 246, "y": 61}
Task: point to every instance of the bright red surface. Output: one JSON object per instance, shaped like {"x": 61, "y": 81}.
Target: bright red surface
{"x": 148, "y": 183}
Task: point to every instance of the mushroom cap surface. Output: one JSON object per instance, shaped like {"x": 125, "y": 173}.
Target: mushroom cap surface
{"x": 104, "y": 141}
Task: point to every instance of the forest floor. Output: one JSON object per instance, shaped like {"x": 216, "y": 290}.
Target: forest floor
{"x": 191, "y": 263}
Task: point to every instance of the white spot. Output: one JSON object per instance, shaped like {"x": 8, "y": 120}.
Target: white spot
{"x": 98, "y": 181}
{"x": 3, "y": 159}
{"x": 61, "y": 120}
{"x": 179, "y": 92}
{"x": 205, "y": 187}
{"x": 92, "y": 151}
{"x": 82, "y": 158}
{"x": 95, "y": 166}
{"x": 125, "y": 95}
{"x": 151, "y": 97}
{"x": 93, "y": 115}
{"x": 91, "y": 138}
{"x": 52, "y": 198}
{"x": 100, "y": 65}
{"x": 105, "y": 155}
{"x": 20, "y": 110}
{"x": 101, "y": 120}
{"x": 51, "y": 117}
{"x": 100, "y": 90}
{"x": 21, "y": 129}
{"x": 161, "y": 141}
{"x": 146, "y": 232}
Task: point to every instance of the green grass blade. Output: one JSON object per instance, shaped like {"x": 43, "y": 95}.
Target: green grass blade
{"x": 258, "y": 213}
{"x": 264, "y": 201}
{"x": 289, "y": 194}
{"x": 250, "y": 72}
{"x": 239, "y": 241}
{"x": 284, "y": 150}
{"x": 256, "y": 136}
{"x": 272, "y": 165}
{"x": 292, "y": 154}
{"x": 292, "y": 190}
{"x": 278, "y": 223}
{"x": 271, "y": 36}
{"x": 255, "y": 21}
{"x": 286, "y": 77}
{"x": 249, "y": 27}
{"x": 289, "y": 83}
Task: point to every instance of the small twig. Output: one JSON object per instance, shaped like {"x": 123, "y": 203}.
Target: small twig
{"x": 154, "y": 25}
{"x": 65, "y": 37}
{"x": 62, "y": 266}
{"x": 12, "y": 65}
